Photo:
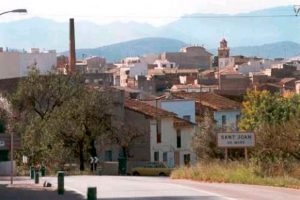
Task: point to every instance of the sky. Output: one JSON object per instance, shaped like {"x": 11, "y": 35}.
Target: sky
{"x": 155, "y": 12}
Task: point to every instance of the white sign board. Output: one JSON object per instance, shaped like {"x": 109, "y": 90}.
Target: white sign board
{"x": 236, "y": 140}
{"x": 25, "y": 159}
{"x": 2, "y": 143}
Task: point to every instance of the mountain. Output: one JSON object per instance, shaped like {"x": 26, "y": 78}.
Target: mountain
{"x": 285, "y": 49}
{"x": 137, "y": 47}
{"x": 245, "y": 29}
{"x": 253, "y": 28}
{"x": 143, "y": 46}
{"x": 49, "y": 34}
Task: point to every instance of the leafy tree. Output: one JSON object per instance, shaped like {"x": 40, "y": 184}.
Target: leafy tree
{"x": 59, "y": 117}
{"x": 124, "y": 134}
{"x": 275, "y": 120}
{"x": 80, "y": 121}
{"x": 204, "y": 141}
{"x": 262, "y": 107}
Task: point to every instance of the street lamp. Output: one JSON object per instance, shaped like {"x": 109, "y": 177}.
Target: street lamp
{"x": 11, "y": 132}
{"x": 14, "y": 11}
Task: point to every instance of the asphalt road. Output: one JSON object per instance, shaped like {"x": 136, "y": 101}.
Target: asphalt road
{"x": 154, "y": 188}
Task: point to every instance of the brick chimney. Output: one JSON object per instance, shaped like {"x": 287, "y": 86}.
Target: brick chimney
{"x": 72, "y": 53}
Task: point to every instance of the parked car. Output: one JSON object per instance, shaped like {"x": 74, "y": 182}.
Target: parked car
{"x": 152, "y": 169}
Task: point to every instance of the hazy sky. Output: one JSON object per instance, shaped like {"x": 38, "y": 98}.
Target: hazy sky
{"x": 155, "y": 12}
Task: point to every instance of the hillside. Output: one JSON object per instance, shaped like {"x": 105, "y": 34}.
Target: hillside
{"x": 240, "y": 30}
{"x": 137, "y": 47}
{"x": 143, "y": 46}
{"x": 283, "y": 49}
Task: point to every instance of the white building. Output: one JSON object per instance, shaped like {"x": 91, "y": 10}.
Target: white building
{"x": 15, "y": 64}
{"x": 161, "y": 64}
{"x": 297, "y": 83}
{"x": 194, "y": 88}
{"x": 253, "y": 66}
{"x": 167, "y": 138}
{"x": 131, "y": 67}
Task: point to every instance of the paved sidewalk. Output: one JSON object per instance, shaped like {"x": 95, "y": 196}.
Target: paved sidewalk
{"x": 25, "y": 189}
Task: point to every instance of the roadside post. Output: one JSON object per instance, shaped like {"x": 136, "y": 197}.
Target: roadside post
{"x": 43, "y": 171}
{"x": 36, "y": 177}
{"x": 60, "y": 183}
{"x": 122, "y": 165}
{"x": 31, "y": 172}
{"x": 92, "y": 193}
{"x": 93, "y": 162}
{"x": 236, "y": 140}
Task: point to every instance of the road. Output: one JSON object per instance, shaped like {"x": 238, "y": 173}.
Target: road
{"x": 155, "y": 188}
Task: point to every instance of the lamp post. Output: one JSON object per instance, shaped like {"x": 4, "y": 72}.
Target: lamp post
{"x": 14, "y": 11}
{"x": 11, "y": 131}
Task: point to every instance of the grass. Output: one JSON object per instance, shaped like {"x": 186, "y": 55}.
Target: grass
{"x": 233, "y": 172}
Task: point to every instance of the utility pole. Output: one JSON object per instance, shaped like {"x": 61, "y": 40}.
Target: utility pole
{"x": 297, "y": 10}
{"x": 11, "y": 157}
{"x": 11, "y": 131}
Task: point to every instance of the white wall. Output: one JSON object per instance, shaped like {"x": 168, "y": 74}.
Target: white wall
{"x": 15, "y": 64}
{"x": 297, "y": 87}
{"x": 180, "y": 107}
{"x": 169, "y": 142}
{"x": 5, "y": 168}
{"x": 231, "y": 116}
{"x": 137, "y": 69}
{"x": 254, "y": 66}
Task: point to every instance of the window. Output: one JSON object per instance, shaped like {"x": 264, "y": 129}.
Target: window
{"x": 223, "y": 121}
{"x": 156, "y": 156}
{"x": 165, "y": 157}
{"x": 187, "y": 159}
{"x": 2, "y": 126}
{"x": 158, "y": 137}
{"x": 158, "y": 132}
{"x": 108, "y": 155}
{"x": 187, "y": 117}
{"x": 178, "y": 140}
{"x": 4, "y": 155}
{"x": 238, "y": 117}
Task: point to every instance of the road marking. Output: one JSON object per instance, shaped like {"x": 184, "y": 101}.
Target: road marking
{"x": 199, "y": 190}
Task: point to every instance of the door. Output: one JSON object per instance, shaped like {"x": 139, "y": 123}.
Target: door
{"x": 177, "y": 158}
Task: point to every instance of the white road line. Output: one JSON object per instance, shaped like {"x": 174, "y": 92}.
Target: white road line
{"x": 203, "y": 191}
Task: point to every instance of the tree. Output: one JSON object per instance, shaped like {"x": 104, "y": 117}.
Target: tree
{"x": 80, "y": 121}
{"x": 275, "y": 120}
{"x": 59, "y": 116}
{"x": 262, "y": 107}
{"x": 124, "y": 134}
{"x": 204, "y": 141}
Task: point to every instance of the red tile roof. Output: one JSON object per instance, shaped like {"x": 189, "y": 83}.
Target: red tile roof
{"x": 147, "y": 109}
{"x": 211, "y": 100}
{"x": 178, "y": 122}
{"x": 286, "y": 80}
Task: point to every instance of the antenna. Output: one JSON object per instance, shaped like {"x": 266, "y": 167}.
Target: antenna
{"x": 296, "y": 9}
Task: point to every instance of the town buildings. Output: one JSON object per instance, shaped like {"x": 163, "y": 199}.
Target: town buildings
{"x": 15, "y": 64}
{"x": 189, "y": 57}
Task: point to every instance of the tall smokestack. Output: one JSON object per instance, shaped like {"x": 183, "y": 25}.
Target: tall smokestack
{"x": 72, "y": 56}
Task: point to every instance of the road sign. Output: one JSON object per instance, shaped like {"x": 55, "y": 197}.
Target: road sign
{"x": 236, "y": 140}
{"x": 2, "y": 143}
{"x": 94, "y": 160}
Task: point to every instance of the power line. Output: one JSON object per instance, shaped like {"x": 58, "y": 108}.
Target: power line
{"x": 176, "y": 17}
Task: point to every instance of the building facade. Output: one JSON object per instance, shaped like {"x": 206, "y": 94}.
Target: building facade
{"x": 16, "y": 64}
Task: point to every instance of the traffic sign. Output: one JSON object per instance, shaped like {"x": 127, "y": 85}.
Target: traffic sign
{"x": 236, "y": 140}
{"x": 94, "y": 160}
